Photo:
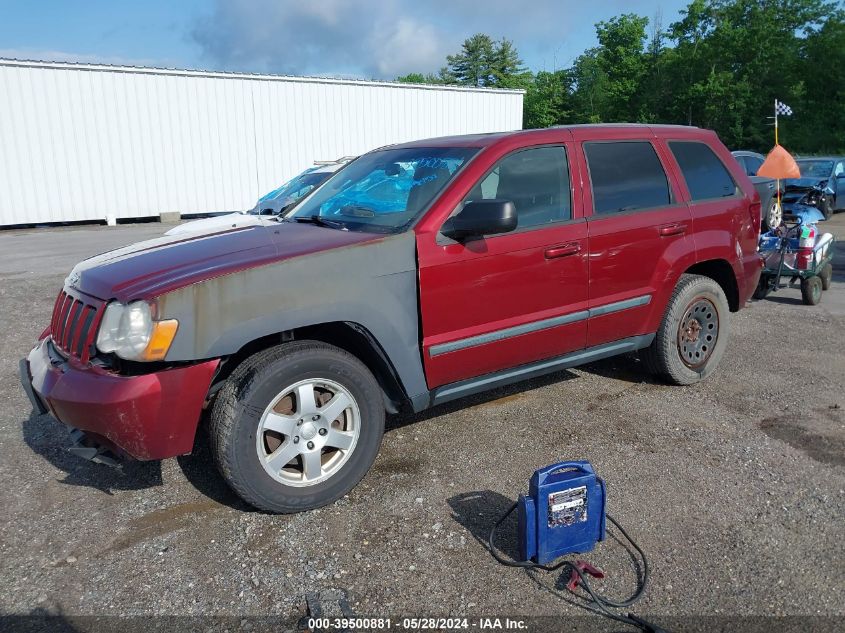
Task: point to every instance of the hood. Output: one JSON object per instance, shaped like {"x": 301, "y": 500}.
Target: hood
{"x": 801, "y": 184}
{"x": 215, "y": 224}
{"x": 806, "y": 214}
{"x": 154, "y": 267}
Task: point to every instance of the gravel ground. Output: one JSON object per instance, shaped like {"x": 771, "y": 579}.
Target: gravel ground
{"x": 735, "y": 488}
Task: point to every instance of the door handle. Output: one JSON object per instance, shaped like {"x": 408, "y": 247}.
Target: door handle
{"x": 564, "y": 250}
{"x": 672, "y": 229}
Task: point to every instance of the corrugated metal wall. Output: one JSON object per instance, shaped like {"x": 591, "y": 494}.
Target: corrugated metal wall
{"x": 79, "y": 142}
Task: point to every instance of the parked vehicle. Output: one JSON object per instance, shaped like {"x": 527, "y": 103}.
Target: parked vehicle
{"x": 273, "y": 203}
{"x": 491, "y": 264}
{"x": 749, "y": 161}
{"x": 822, "y": 185}
{"x": 766, "y": 187}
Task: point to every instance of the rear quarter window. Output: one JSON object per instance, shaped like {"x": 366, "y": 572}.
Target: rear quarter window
{"x": 706, "y": 176}
{"x": 754, "y": 164}
{"x": 626, "y": 176}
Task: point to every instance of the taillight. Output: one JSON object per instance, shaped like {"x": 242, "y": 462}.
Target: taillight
{"x": 755, "y": 211}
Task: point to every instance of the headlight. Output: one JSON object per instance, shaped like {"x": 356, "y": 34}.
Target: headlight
{"x": 812, "y": 198}
{"x": 132, "y": 332}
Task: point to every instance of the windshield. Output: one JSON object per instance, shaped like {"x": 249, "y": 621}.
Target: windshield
{"x": 294, "y": 189}
{"x": 384, "y": 191}
{"x": 815, "y": 168}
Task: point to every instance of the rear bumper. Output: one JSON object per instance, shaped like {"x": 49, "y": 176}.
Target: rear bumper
{"x": 152, "y": 416}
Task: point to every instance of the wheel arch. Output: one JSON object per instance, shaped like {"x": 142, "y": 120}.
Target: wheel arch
{"x": 346, "y": 335}
{"x": 720, "y": 271}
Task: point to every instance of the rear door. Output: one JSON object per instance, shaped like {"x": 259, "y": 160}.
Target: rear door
{"x": 505, "y": 300}
{"x": 638, "y": 230}
{"x": 722, "y": 222}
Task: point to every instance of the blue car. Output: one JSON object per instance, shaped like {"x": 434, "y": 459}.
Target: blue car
{"x": 821, "y": 185}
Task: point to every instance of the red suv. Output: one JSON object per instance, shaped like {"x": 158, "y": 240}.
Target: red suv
{"x": 417, "y": 274}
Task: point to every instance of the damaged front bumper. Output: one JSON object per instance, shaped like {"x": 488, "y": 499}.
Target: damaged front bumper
{"x": 149, "y": 416}
{"x": 805, "y": 201}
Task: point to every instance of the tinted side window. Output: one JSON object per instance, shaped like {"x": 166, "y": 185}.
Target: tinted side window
{"x": 626, "y": 176}
{"x": 753, "y": 165}
{"x": 537, "y": 182}
{"x": 705, "y": 175}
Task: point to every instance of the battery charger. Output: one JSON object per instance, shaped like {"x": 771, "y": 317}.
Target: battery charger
{"x": 563, "y": 512}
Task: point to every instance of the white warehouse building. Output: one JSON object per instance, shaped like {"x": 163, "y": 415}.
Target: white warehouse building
{"x": 81, "y": 142}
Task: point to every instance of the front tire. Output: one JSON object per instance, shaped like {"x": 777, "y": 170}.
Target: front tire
{"x": 297, "y": 426}
{"x": 827, "y": 208}
{"x": 693, "y": 334}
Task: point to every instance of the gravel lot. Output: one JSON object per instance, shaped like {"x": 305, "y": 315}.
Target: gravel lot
{"x": 735, "y": 488}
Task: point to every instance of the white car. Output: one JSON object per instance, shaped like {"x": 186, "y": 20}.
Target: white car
{"x": 272, "y": 204}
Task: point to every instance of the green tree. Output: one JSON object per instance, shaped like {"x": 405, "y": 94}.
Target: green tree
{"x": 720, "y": 64}
{"x": 733, "y": 58}
{"x": 622, "y": 60}
{"x": 419, "y": 78}
{"x": 473, "y": 65}
{"x": 506, "y": 66}
{"x": 548, "y": 99}
{"x": 819, "y": 124}
{"x": 412, "y": 78}
{"x": 608, "y": 79}
{"x": 590, "y": 88}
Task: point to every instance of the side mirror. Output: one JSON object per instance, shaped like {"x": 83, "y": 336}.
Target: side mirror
{"x": 481, "y": 217}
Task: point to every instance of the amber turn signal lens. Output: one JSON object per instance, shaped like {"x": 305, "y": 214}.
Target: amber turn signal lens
{"x": 160, "y": 339}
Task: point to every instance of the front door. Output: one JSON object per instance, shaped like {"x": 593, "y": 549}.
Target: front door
{"x": 504, "y": 300}
{"x": 838, "y": 185}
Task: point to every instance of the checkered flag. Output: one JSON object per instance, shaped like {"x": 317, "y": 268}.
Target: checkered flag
{"x": 782, "y": 109}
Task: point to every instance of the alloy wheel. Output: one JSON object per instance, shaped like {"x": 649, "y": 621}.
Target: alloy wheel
{"x": 308, "y": 432}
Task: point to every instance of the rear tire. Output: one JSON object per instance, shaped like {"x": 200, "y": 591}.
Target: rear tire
{"x": 811, "y": 290}
{"x": 693, "y": 334}
{"x": 763, "y": 288}
{"x": 275, "y": 407}
{"x": 826, "y": 275}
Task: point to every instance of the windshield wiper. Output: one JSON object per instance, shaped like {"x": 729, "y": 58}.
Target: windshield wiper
{"x": 321, "y": 221}
{"x": 357, "y": 211}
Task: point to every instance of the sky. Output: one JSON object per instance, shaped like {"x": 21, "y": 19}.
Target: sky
{"x": 365, "y": 38}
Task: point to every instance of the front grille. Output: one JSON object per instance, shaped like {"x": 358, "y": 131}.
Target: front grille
{"x": 74, "y": 324}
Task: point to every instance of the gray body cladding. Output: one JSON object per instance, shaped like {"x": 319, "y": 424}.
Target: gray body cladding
{"x": 372, "y": 284}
